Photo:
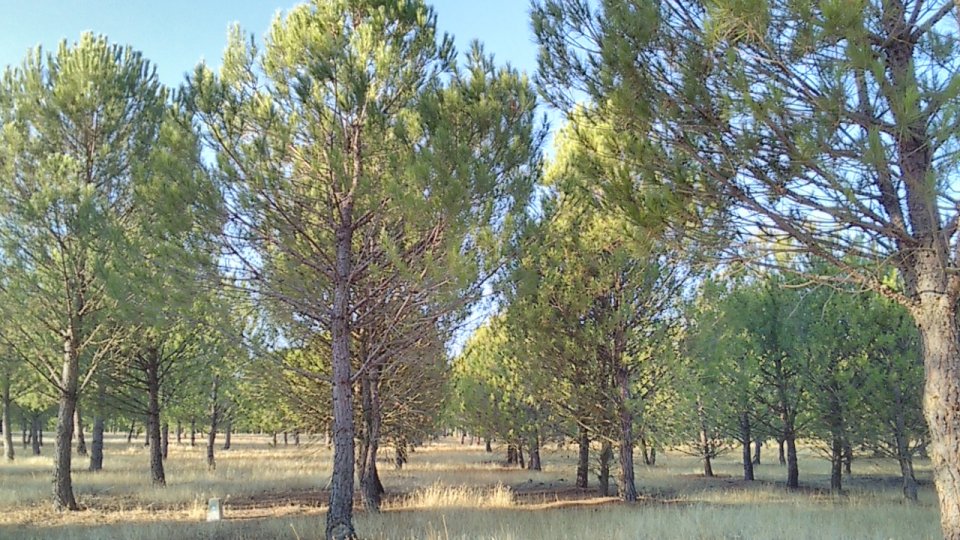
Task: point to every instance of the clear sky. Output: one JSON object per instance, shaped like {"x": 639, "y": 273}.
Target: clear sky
{"x": 176, "y": 34}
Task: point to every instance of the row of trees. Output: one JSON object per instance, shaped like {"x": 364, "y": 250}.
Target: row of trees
{"x": 367, "y": 187}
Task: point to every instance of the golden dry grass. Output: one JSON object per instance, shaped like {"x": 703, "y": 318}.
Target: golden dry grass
{"x": 453, "y": 491}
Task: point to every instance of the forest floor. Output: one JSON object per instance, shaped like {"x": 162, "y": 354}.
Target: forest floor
{"x": 449, "y": 490}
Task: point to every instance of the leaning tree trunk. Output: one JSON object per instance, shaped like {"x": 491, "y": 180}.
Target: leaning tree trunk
{"x": 937, "y": 321}
{"x": 370, "y": 487}
{"x": 745, "y": 439}
{"x": 78, "y": 432}
{"x": 583, "y": 457}
{"x": 627, "y": 488}
{"x": 5, "y": 420}
{"x": 340, "y": 512}
{"x": 157, "y": 475}
{"x": 63, "y": 498}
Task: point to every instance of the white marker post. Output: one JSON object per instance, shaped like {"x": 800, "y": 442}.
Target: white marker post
{"x": 214, "y": 510}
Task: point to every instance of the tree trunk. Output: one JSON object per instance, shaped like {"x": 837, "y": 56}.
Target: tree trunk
{"x": 152, "y": 370}
{"x": 340, "y": 513}
{"x": 63, "y": 498}
{"x": 401, "y": 455}
{"x": 706, "y": 445}
{"x": 745, "y": 439}
{"x": 296, "y": 437}
{"x": 193, "y": 432}
{"x": 583, "y": 458}
{"x": 606, "y": 455}
{"x": 165, "y": 440}
{"x": 937, "y": 321}
{"x": 511, "y": 454}
{"x": 227, "y": 434}
{"x": 214, "y": 420}
{"x": 793, "y": 469}
{"x": 836, "y": 464}
{"x": 781, "y": 455}
{"x": 5, "y": 420}
{"x": 520, "y": 461}
{"x": 179, "y": 432}
{"x": 96, "y": 443}
{"x": 274, "y": 441}
{"x": 285, "y": 441}
{"x": 903, "y": 452}
{"x": 35, "y": 431}
{"x": 78, "y": 432}
{"x": 533, "y": 463}
{"x": 487, "y": 447}
{"x": 847, "y": 458}
{"x": 626, "y": 485}
{"x": 757, "y": 444}
{"x": 642, "y": 444}
{"x": 133, "y": 424}
{"x": 96, "y": 447}
{"x": 370, "y": 487}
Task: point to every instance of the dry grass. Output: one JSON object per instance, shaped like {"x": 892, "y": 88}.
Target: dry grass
{"x": 452, "y": 491}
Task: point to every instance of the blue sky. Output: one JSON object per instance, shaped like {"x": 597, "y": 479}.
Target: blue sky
{"x": 176, "y": 34}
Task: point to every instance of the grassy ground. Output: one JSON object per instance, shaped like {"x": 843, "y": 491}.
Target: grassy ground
{"x": 453, "y": 491}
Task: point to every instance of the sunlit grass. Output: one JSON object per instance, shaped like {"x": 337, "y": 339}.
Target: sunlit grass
{"x": 449, "y": 490}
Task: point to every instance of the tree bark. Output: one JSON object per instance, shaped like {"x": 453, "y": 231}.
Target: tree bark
{"x": 626, "y": 486}
{"x": 96, "y": 443}
{"x": 165, "y": 440}
{"x": 8, "y": 451}
{"x": 757, "y": 445}
{"x": 214, "y": 421}
{"x": 781, "y": 456}
{"x": 227, "y": 434}
{"x": 793, "y": 469}
{"x": 583, "y": 458}
{"x": 603, "y": 478}
{"x": 746, "y": 437}
{"x": 35, "y": 430}
{"x": 533, "y": 463}
{"x": 937, "y": 321}
{"x": 152, "y": 372}
{"x": 339, "y": 524}
{"x": 63, "y": 498}
{"x": 78, "y": 432}
{"x": 371, "y": 489}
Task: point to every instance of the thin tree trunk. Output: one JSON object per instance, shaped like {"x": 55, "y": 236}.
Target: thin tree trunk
{"x": 836, "y": 464}
{"x": 193, "y": 432}
{"x": 487, "y": 447}
{"x": 63, "y": 498}
{"x": 179, "y": 432}
{"x": 8, "y": 452}
{"x": 214, "y": 420}
{"x": 227, "y": 434}
{"x": 745, "y": 439}
{"x": 157, "y": 475}
{"x": 165, "y": 439}
{"x": 370, "y": 486}
{"x": 511, "y": 454}
{"x": 603, "y": 478}
{"x": 285, "y": 441}
{"x": 583, "y": 458}
{"x": 35, "y": 431}
{"x": 96, "y": 448}
{"x": 99, "y": 424}
{"x": 78, "y": 432}
{"x": 904, "y": 458}
{"x": 627, "y": 488}
{"x": 133, "y": 424}
{"x": 520, "y": 461}
{"x": 339, "y": 524}
{"x": 781, "y": 454}
{"x": 706, "y": 445}
{"x": 757, "y": 444}
{"x": 533, "y": 463}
